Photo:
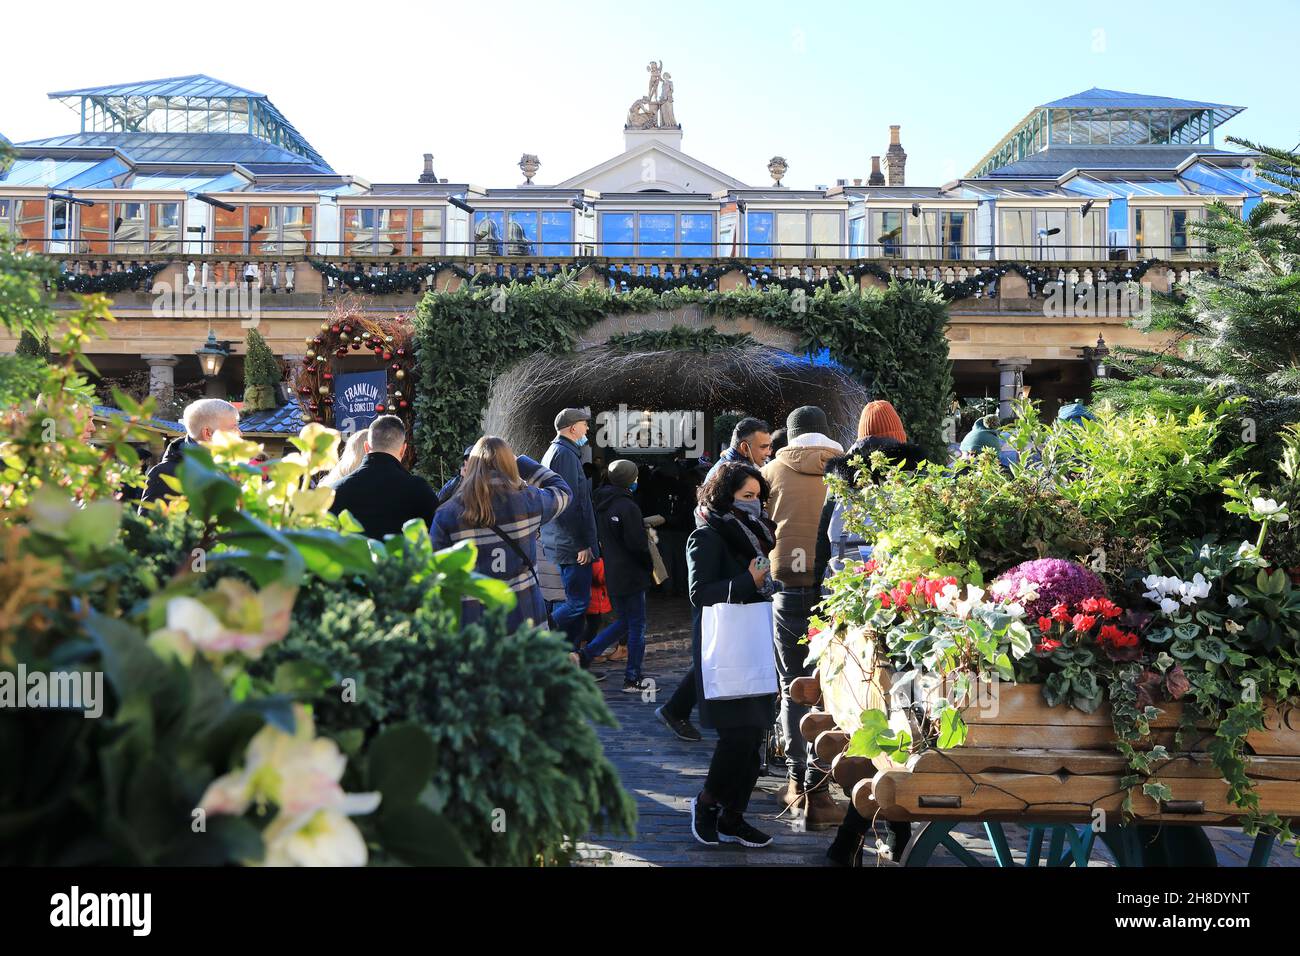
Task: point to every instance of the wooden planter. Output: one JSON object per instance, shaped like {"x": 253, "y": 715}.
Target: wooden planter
{"x": 1027, "y": 762}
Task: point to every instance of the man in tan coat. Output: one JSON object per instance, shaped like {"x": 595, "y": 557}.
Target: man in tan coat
{"x": 796, "y": 477}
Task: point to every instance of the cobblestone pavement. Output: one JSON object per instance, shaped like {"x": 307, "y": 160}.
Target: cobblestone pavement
{"x": 663, "y": 773}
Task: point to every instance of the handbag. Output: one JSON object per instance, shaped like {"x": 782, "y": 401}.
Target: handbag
{"x": 737, "y": 654}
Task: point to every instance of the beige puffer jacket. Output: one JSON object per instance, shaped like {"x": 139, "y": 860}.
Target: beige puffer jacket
{"x": 798, "y": 494}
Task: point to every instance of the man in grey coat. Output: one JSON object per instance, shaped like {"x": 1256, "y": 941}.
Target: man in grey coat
{"x": 570, "y": 540}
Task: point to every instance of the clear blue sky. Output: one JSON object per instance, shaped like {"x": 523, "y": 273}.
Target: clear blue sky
{"x": 375, "y": 85}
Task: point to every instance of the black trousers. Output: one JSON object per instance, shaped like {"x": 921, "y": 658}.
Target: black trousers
{"x": 734, "y": 769}
{"x": 682, "y": 702}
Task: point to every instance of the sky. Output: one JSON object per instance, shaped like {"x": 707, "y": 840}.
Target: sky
{"x": 374, "y": 86}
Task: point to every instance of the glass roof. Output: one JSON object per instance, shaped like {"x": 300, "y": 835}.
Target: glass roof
{"x": 65, "y": 173}
{"x": 241, "y": 148}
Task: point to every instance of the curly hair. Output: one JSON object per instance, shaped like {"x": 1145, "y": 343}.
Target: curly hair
{"x": 719, "y": 489}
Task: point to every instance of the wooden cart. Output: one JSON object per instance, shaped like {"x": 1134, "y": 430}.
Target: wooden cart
{"x": 1054, "y": 770}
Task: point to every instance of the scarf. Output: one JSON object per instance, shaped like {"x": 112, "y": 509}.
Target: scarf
{"x": 748, "y": 538}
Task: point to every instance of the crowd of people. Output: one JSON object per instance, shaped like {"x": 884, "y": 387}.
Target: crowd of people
{"x": 577, "y": 543}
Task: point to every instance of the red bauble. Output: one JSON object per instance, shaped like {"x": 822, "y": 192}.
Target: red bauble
{"x": 347, "y": 329}
{"x": 388, "y": 356}
{"x": 328, "y": 376}
{"x": 395, "y": 366}
{"x": 380, "y": 407}
{"x": 402, "y": 403}
{"x": 335, "y": 329}
{"x": 342, "y": 353}
{"x": 379, "y": 350}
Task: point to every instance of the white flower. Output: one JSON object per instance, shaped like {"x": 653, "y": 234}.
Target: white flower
{"x": 1232, "y": 627}
{"x": 1168, "y": 605}
{"x": 319, "y": 837}
{"x": 1152, "y": 581}
{"x": 945, "y": 598}
{"x": 230, "y": 617}
{"x": 1236, "y": 600}
{"x": 1268, "y": 508}
{"x": 1000, "y": 589}
{"x": 1028, "y": 591}
{"x": 973, "y": 597}
{"x": 1195, "y": 589}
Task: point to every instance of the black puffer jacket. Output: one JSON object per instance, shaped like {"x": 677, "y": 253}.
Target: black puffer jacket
{"x": 624, "y": 544}
{"x": 155, "y": 488}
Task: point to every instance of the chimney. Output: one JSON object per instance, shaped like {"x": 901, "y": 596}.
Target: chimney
{"x": 895, "y": 159}
{"x": 877, "y": 178}
{"x": 427, "y": 176}
{"x": 857, "y": 181}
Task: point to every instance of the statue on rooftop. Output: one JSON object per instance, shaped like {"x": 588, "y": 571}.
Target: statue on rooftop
{"x": 655, "y": 109}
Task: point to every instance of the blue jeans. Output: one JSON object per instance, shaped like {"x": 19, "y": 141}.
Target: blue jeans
{"x": 569, "y": 615}
{"x": 629, "y": 622}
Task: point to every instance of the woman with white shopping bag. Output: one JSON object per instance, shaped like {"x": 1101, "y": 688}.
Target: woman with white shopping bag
{"x": 731, "y": 642}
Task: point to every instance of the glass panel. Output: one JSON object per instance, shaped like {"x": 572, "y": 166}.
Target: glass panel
{"x": 827, "y": 241}
{"x": 1015, "y": 227}
{"x": 129, "y": 226}
{"x": 428, "y": 232}
{"x": 886, "y": 235}
{"x": 922, "y": 236}
{"x": 521, "y": 233}
{"x": 954, "y": 235}
{"x": 165, "y": 227}
{"x": 1180, "y": 237}
{"x": 616, "y": 234}
{"x": 1152, "y": 232}
{"x": 60, "y": 214}
{"x": 263, "y": 229}
{"x": 489, "y": 228}
{"x": 358, "y": 231}
{"x": 392, "y": 231}
{"x": 857, "y": 234}
{"x": 94, "y": 228}
{"x": 228, "y": 230}
{"x": 6, "y": 217}
{"x": 791, "y": 235}
{"x": 697, "y": 235}
{"x": 657, "y": 234}
{"x": 1060, "y": 127}
{"x": 1053, "y": 234}
{"x": 297, "y": 228}
{"x": 758, "y": 235}
{"x": 1079, "y": 126}
{"x": 557, "y": 232}
{"x": 29, "y": 220}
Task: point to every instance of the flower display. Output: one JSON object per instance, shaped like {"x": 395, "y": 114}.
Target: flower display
{"x": 1052, "y": 580}
{"x": 229, "y": 618}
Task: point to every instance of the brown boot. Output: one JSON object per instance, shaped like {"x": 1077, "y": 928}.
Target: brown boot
{"x": 823, "y": 812}
{"x": 793, "y": 796}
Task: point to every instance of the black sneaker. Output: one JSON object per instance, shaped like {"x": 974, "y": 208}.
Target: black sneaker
{"x": 704, "y": 822}
{"x": 739, "y": 831}
{"x": 684, "y": 729}
{"x": 637, "y": 686}
{"x": 580, "y": 658}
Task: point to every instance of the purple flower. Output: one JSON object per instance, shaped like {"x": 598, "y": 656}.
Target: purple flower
{"x": 1057, "y": 582}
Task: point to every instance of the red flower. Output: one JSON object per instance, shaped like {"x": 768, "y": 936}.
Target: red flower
{"x": 814, "y": 631}
{"x": 870, "y": 567}
{"x": 1090, "y": 605}
{"x": 1060, "y": 613}
{"x": 884, "y": 599}
{"x": 1044, "y": 624}
{"x": 1109, "y": 632}
{"x": 1109, "y": 609}
{"x": 1083, "y": 622}
{"x": 1128, "y": 639}
{"x": 1047, "y": 645}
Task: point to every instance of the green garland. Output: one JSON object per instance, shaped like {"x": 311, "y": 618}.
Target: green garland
{"x": 130, "y": 279}
{"x": 892, "y": 340}
{"x": 680, "y": 337}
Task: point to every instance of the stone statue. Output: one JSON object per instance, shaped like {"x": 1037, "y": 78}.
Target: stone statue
{"x": 666, "y": 116}
{"x": 655, "y": 109}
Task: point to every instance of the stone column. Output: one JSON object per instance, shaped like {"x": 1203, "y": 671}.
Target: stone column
{"x": 1010, "y": 377}
{"x": 162, "y": 375}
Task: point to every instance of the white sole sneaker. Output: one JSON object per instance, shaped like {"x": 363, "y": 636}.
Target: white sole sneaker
{"x": 699, "y": 838}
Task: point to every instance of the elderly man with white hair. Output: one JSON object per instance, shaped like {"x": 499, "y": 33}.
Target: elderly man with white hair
{"x": 202, "y": 420}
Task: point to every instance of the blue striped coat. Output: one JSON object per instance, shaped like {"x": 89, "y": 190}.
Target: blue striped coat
{"x": 520, "y": 514}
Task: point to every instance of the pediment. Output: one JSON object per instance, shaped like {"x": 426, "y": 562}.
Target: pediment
{"x": 653, "y": 166}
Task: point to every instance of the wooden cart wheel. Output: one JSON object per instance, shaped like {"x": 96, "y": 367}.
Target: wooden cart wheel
{"x": 1067, "y": 845}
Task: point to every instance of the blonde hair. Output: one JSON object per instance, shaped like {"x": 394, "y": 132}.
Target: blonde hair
{"x": 353, "y": 452}
{"x": 491, "y": 466}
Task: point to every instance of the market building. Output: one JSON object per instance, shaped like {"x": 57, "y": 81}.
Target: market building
{"x": 210, "y": 188}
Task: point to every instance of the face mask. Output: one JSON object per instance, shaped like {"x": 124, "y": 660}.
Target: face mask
{"x": 632, "y": 487}
{"x": 581, "y": 441}
{"x": 752, "y": 507}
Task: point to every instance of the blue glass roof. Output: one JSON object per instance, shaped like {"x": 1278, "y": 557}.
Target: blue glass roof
{"x": 242, "y": 148}
{"x": 1058, "y": 160}
{"x": 65, "y": 173}
{"x": 1097, "y": 98}
{"x": 189, "y": 182}
{"x": 285, "y": 420}
{"x": 196, "y": 85}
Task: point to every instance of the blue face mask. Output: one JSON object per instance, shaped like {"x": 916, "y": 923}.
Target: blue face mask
{"x": 581, "y": 441}
{"x": 752, "y": 507}
{"x": 632, "y": 487}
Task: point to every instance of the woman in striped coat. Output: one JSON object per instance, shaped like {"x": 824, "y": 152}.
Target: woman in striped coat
{"x": 501, "y": 505}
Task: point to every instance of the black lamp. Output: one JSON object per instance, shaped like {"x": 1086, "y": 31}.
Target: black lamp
{"x": 212, "y": 356}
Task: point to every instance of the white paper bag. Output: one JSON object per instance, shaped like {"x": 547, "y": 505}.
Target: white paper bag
{"x": 737, "y": 656}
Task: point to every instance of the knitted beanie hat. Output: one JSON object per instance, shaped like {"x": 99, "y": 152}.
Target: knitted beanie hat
{"x": 807, "y": 419}
{"x": 622, "y": 473}
{"x": 880, "y": 420}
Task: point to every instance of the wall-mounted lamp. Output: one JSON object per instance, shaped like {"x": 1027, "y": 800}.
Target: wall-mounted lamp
{"x": 211, "y": 201}
{"x": 68, "y": 197}
{"x": 461, "y": 204}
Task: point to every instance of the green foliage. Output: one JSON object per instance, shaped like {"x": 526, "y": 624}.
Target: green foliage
{"x": 261, "y": 374}
{"x": 893, "y": 341}
{"x": 1235, "y": 332}
{"x": 520, "y": 771}
{"x": 680, "y": 337}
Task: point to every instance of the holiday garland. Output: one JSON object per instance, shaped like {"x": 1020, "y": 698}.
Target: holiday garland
{"x": 130, "y": 279}
{"x": 892, "y": 340}
{"x": 679, "y": 337}
{"x": 412, "y": 280}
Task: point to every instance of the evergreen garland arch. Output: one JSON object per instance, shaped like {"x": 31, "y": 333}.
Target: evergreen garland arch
{"x": 893, "y": 341}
